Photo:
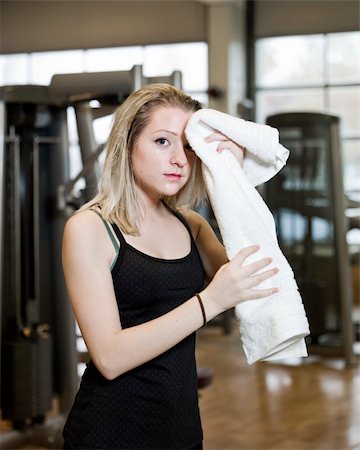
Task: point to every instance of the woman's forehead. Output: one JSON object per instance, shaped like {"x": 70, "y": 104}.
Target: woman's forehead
{"x": 171, "y": 117}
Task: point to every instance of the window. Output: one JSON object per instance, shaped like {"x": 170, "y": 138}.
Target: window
{"x": 344, "y": 57}
{"x": 14, "y": 69}
{"x": 157, "y": 60}
{"x": 290, "y": 61}
{"x": 314, "y": 73}
{"x": 191, "y": 61}
{"x": 108, "y": 59}
{"x": 45, "y": 64}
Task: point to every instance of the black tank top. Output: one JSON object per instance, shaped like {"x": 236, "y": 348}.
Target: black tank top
{"x": 155, "y": 405}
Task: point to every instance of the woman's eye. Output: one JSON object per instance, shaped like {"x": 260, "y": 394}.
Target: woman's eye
{"x": 162, "y": 141}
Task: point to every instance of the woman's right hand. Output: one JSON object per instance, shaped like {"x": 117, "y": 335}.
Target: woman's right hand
{"x": 236, "y": 282}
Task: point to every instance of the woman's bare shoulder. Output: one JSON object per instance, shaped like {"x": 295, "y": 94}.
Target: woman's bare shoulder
{"x": 86, "y": 238}
{"x": 85, "y": 227}
{"x": 85, "y": 221}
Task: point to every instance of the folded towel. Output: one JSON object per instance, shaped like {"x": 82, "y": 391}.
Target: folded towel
{"x": 272, "y": 327}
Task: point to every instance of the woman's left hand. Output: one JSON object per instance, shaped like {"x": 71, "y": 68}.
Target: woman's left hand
{"x": 227, "y": 144}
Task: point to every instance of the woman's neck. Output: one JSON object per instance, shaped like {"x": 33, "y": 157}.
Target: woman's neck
{"x": 153, "y": 207}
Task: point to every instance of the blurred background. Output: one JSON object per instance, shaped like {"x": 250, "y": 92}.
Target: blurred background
{"x": 293, "y": 64}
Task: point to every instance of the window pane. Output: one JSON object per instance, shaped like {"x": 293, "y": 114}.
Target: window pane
{"x": 351, "y": 164}
{"x": 301, "y": 100}
{"x": 289, "y": 61}
{"x": 345, "y": 103}
{"x": 190, "y": 58}
{"x": 102, "y": 128}
{"x": 75, "y": 160}
{"x": 344, "y": 57}
{"x": 111, "y": 59}
{"x": 46, "y": 64}
{"x": 14, "y": 69}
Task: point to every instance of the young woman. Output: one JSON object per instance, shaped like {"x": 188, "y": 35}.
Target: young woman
{"x": 135, "y": 269}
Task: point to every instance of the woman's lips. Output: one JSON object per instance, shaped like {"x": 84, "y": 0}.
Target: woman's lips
{"x": 173, "y": 176}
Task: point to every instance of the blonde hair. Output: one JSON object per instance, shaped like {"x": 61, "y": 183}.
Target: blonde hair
{"x": 117, "y": 196}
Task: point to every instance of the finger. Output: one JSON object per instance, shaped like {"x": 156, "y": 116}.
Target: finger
{"x": 226, "y": 145}
{"x": 236, "y": 150}
{"x": 244, "y": 253}
{"x": 254, "y": 294}
{"x": 252, "y": 268}
{"x": 217, "y": 136}
{"x": 257, "y": 279}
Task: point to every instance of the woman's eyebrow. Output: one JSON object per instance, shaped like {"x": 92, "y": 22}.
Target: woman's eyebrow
{"x": 166, "y": 131}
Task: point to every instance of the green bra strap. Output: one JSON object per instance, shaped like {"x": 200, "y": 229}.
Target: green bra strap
{"x": 111, "y": 235}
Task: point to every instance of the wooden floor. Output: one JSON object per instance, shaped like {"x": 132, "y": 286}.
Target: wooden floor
{"x": 302, "y": 404}
{"x": 309, "y": 404}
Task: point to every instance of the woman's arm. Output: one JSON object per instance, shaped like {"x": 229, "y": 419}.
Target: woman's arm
{"x": 211, "y": 250}
{"x": 87, "y": 255}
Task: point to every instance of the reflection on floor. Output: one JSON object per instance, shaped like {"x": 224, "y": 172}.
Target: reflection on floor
{"x": 302, "y": 404}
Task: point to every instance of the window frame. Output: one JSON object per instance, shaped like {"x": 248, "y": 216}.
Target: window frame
{"x": 325, "y": 85}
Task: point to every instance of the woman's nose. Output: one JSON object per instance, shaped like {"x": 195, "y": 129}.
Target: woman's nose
{"x": 179, "y": 157}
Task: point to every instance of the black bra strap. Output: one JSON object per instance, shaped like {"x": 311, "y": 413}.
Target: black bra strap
{"x": 118, "y": 233}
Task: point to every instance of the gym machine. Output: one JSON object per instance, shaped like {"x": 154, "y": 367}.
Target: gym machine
{"x": 37, "y": 355}
{"x": 309, "y": 205}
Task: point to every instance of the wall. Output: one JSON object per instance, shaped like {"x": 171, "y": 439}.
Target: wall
{"x": 227, "y": 55}
{"x": 281, "y": 17}
{"x": 27, "y": 26}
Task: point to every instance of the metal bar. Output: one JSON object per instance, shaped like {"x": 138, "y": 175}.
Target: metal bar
{"x": 137, "y": 77}
{"x": 177, "y": 78}
{"x": 87, "y": 141}
{"x": 85, "y": 170}
{"x": 2, "y": 203}
{"x": 17, "y": 225}
{"x": 38, "y": 140}
{"x": 342, "y": 248}
{"x": 36, "y": 221}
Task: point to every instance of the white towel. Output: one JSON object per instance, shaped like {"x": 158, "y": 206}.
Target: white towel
{"x": 273, "y": 327}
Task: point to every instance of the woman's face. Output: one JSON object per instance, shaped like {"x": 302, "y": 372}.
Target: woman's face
{"x": 162, "y": 159}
